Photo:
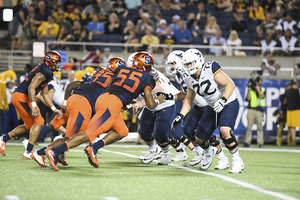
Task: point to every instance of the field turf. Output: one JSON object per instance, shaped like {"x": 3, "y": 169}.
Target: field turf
{"x": 270, "y": 173}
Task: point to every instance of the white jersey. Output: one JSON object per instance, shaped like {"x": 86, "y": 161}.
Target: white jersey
{"x": 199, "y": 101}
{"x": 167, "y": 86}
{"x": 58, "y": 95}
{"x": 206, "y": 86}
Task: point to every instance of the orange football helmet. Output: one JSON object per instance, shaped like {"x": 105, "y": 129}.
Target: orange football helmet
{"x": 115, "y": 62}
{"x": 143, "y": 61}
{"x": 52, "y": 60}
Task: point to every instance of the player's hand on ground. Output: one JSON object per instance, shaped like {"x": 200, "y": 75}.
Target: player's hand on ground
{"x": 35, "y": 112}
{"x": 176, "y": 121}
{"x": 166, "y": 95}
{"x": 58, "y": 113}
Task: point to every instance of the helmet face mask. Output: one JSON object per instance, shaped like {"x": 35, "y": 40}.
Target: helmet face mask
{"x": 174, "y": 62}
{"x": 193, "y": 61}
{"x": 52, "y": 59}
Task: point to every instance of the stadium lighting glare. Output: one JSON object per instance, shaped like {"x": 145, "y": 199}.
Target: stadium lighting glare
{"x": 7, "y": 15}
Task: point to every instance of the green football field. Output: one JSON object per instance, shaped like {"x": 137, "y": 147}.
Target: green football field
{"x": 270, "y": 173}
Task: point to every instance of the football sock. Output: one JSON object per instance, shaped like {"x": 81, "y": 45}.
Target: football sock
{"x": 6, "y": 137}
{"x": 61, "y": 148}
{"x": 29, "y": 147}
{"x": 220, "y": 154}
{"x": 208, "y": 150}
{"x": 97, "y": 145}
{"x": 235, "y": 154}
{"x": 179, "y": 149}
{"x": 197, "y": 148}
{"x": 41, "y": 151}
{"x": 44, "y": 131}
{"x": 152, "y": 147}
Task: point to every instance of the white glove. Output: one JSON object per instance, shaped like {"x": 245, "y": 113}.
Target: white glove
{"x": 219, "y": 105}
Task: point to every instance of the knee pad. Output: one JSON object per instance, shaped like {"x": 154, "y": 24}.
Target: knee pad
{"x": 183, "y": 138}
{"x": 163, "y": 144}
{"x": 214, "y": 141}
{"x": 204, "y": 144}
{"x": 173, "y": 142}
{"x": 231, "y": 140}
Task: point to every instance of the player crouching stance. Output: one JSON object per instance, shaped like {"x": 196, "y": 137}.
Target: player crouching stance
{"x": 209, "y": 81}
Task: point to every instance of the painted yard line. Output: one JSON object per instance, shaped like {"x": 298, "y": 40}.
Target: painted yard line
{"x": 226, "y": 178}
{"x": 145, "y": 146}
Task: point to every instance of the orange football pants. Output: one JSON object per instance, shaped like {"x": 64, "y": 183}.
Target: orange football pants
{"x": 23, "y": 105}
{"x": 108, "y": 116}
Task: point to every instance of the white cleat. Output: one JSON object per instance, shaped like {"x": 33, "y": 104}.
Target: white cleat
{"x": 180, "y": 156}
{"x": 2, "y": 147}
{"x": 223, "y": 163}
{"x": 165, "y": 159}
{"x": 25, "y": 143}
{"x": 39, "y": 159}
{"x": 26, "y": 155}
{"x": 151, "y": 155}
{"x": 198, "y": 158}
{"x": 237, "y": 165}
{"x": 207, "y": 160}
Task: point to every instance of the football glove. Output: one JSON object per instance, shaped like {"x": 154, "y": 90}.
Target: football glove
{"x": 166, "y": 95}
{"x": 219, "y": 105}
{"x": 176, "y": 121}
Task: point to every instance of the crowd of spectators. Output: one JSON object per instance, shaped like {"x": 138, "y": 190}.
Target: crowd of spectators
{"x": 265, "y": 23}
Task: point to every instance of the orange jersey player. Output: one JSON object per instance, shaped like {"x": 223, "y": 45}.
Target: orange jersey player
{"x": 80, "y": 106}
{"x": 24, "y": 99}
{"x": 127, "y": 84}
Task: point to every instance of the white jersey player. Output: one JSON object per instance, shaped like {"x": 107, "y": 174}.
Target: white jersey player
{"x": 175, "y": 67}
{"x": 209, "y": 81}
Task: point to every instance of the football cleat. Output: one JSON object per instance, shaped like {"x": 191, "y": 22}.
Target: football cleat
{"x": 52, "y": 158}
{"x": 39, "y": 159}
{"x": 223, "y": 163}
{"x": 207, "y": 160}
{"x": 2, "y": 147}
{"x": 198, "y": 158}
{"x": 151, "y": 155}
{"x": 91, "y": 156}
{"x": 180, "y": 156}
{"x": 26, "y": 155}
{"x": 237, "y": 165}
{"x": 165, "y": 159}
{"x": 62, "y": 160}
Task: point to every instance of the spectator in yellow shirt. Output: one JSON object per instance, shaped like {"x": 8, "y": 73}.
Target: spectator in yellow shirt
{"x": 52, "y": 24}
{"x": 149, "y": 39}
{"x": 256, "y": 12}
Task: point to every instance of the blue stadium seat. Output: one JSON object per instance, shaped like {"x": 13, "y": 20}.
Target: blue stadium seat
{"x": 113, "y": 38}
{"x": 197, "y": 40}
{"x": 116, "y": 49}
{"x": 98, "y": 38}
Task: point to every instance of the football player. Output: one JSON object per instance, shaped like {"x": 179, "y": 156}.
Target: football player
{"x": 209, "y": 81}
{"x": 175, "y": 67}
{"x": 24, "y": 99}
{"x": 126, "y": 85}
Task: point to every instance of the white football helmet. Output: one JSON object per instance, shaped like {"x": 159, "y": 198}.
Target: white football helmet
{"x": 130, "y": 58}
{"x": 192, "y": 60}
{"x": 174, "y": 62}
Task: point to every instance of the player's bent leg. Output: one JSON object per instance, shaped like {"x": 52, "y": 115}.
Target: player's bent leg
{"x": 209, "y": 153}
{"x": 223, "y": 162}
{"x": 152, "y": 153}
{"x": 232, "y": 145}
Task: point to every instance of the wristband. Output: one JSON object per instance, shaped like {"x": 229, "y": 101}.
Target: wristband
{"x": 224, "y": 98}
{"x": 65, "y": 103}
{"x": 33, "y": 104}
{"x": 53, "y": 108}
{"x": 156, "y": 101}
{"x": 175, "y": 97}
